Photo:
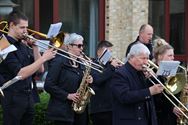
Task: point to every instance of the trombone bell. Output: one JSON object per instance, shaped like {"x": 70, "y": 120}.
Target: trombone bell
{"x": 55, "y": 41}
{"x": 176, "y": 83}
{"x": 58, "y": 40}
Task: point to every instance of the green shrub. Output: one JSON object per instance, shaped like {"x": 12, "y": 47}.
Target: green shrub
{"x": 1, "y": 115}
{"x": 40, "y": 110}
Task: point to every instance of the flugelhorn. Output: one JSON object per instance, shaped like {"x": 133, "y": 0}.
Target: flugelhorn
{"x": 149, "y": 69}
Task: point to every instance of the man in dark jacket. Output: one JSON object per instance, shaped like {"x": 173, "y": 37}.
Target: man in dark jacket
{"x": 145, "y": 36}
{"x": 101, "y": 102}
{"x": 132, "y": 97}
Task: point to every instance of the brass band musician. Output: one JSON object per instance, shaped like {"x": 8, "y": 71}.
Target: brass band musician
{"x": 101, "y": 103}
{"x": 63, "y": 79}
{"x": 167, "y": 113}
{"x": 132, "y": 96}
{"x": 18, "y": 106}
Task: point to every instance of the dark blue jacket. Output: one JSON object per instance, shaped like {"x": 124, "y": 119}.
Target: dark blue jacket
{"x": 61, "y": 80}
{"x": 102, "y": 100}
{"x": 132, "y": 102}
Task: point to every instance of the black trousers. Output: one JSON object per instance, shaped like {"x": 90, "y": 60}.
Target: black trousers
{"x": 79, "y": 119}
{"x": 103, "y": 118}
{"x": 18, "y": 109}
{"x": 62, "y": 123}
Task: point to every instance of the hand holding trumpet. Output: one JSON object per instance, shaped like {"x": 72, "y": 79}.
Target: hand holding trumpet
{"x": 116, "y": 62}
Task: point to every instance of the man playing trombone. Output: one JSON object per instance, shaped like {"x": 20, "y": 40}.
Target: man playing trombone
{"x": 18, "y": 102}
{"x": 132, "y": 96}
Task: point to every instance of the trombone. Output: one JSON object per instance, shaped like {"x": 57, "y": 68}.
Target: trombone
{"x": 55, "y": 40}
{"x": 148, "y": 68}
{"x": 8, "y": 83}
{"x": 57, "y": 43}
{"x": 95, "y": 66}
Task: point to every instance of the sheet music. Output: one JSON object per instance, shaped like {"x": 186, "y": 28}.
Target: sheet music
{"x": 105, "y": 57}
{"x": 168, "y": 68}
{"x": 54, "y": 30}
{"x": 7, "y": 50}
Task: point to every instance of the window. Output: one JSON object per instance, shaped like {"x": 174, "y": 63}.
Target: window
{"x": 177, "y": 26}
{"x": 170, "y": 23}
{"x": 81, "y": 16}
{"x": 27, "y": 10}
{"x": 156, "y": 18}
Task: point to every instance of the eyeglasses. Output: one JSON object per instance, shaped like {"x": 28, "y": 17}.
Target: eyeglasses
{"x": 78, "y": 45}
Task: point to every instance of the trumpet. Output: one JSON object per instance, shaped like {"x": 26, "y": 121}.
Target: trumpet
{"x": 106, "y": 56}
{"x": 150, "y": 67}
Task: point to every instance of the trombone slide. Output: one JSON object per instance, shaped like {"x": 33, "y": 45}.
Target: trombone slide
{"x": 8, "y": 83}
{"x": 84, "y": 60}
{"x": 167, "y": 90}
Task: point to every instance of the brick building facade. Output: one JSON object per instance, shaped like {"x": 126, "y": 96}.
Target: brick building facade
{"x": 123, "y": 20}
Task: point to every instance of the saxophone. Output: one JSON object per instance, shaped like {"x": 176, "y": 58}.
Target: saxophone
{"x": 85, "y": 92}
{"x": 184, "y": 99}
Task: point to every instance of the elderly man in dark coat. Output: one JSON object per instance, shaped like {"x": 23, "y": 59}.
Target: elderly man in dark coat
{"x": 132, "y": 97}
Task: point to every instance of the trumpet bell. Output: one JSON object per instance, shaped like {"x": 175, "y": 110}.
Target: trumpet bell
{"x": 176, "y": 83}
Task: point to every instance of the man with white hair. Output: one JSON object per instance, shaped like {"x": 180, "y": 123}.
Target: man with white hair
{"x": 132, "y": 97}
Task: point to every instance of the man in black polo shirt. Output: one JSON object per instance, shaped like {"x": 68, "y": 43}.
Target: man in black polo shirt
{"x": 18, "y": 102}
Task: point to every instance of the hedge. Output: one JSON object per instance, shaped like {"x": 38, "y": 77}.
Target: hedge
{"x": 40, "y": 109}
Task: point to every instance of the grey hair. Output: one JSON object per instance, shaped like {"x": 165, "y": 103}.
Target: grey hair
{"x": 71, "y": 38}
{"x": 137, "y": 49}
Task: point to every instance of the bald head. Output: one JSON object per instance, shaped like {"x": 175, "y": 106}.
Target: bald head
{"x": 145, "y": 33}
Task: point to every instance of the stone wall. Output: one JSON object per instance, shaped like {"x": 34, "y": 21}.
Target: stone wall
{"x": 123, "y": 20}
